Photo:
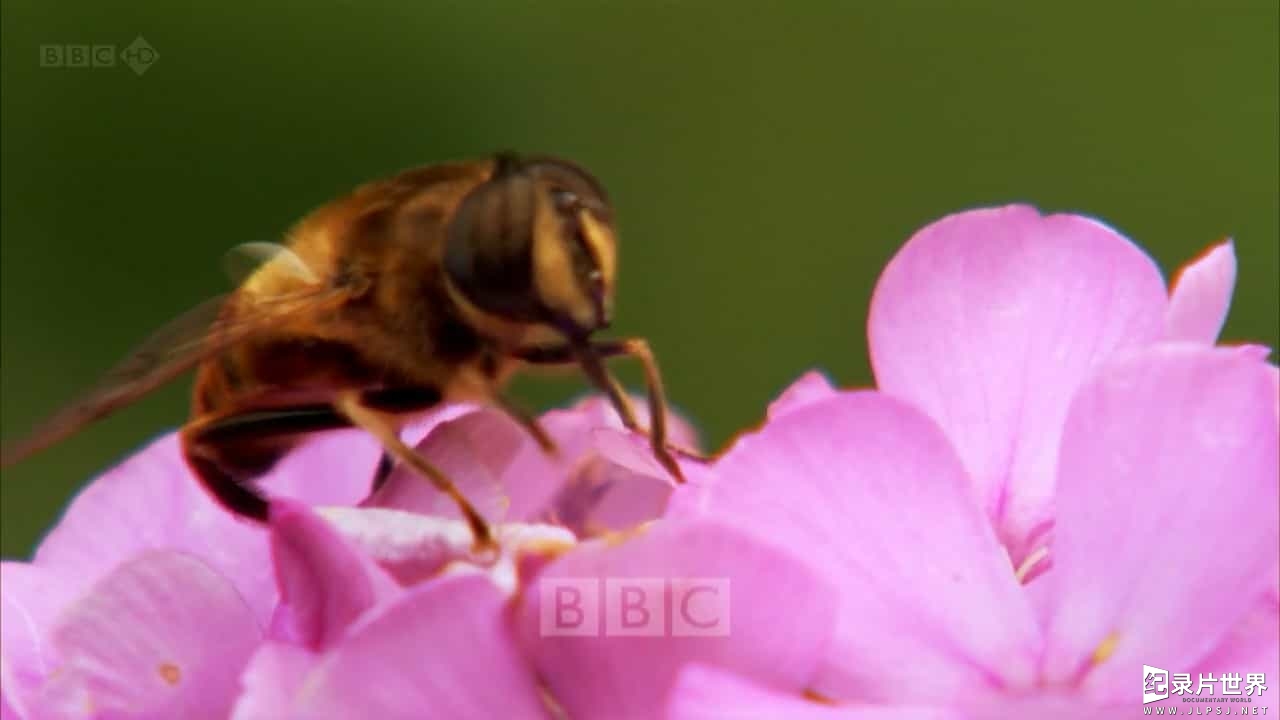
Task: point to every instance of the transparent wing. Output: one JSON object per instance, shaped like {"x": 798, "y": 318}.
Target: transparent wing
{"x": 244, "y": 260}
{"x": 172, "y": 350}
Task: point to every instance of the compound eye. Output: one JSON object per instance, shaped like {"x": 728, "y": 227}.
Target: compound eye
{"x": 488, "y": 253}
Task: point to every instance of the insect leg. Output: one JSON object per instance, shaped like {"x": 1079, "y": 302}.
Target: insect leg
{"x": 396, "y": 400}
{"x": 228, "y": 451}
{"x": 385, "y": 466}
{"x": 637, "y": 348}
{"x": 590, "y": 358}
{"x": 376, "y": 422}
{"x": 527, "y": 421}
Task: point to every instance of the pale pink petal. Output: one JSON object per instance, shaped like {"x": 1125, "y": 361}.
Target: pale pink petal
{"x": 869, "y": 488}
{"x": 473, "y": 450}
{"x": 505, "y": 474}
{"x": 31, "y": 597}
{"x": 596, "y": 411}
{"x": 707, "y": 693}
{"x": 604, "y": 496}
{"x": 629, "y": 452}
{"x": 604, "y": 478}
{"x": 697, "y": 591}
{"x": 1251, "y": 646}
{"x": 337, "y": 467}
{"x": 1051, "y": 705}
{"x": 1167, "y": 458}
{"x": 163, "y": 636}
{"x": 616, "y": 485}
{"x": 1274, "y": 372}
{"x": 272, "y": 680}
{"x": 153, "y": 501}
{"x": 1275, "y": 389}
{"x": 331, "y": 468}
{"x": 441, "y": 650}
{"x": 1201, "y": 296}
{"x": 989, "y": 320}
{"x": 414, "y": 548}
{"x": 324, "y": 581}
{"x": 810, "y": 387}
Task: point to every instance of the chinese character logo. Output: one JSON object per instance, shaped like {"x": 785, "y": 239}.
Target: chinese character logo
{"x": 1155, "y": 684}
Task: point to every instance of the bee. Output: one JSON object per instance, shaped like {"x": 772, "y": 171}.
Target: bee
{"x": 435, "y": 285}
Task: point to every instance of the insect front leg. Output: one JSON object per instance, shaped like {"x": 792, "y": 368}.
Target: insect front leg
{"x": 528, "y": 422}
{"x": 591, "y": 358}
{"x": 373, "y": 412}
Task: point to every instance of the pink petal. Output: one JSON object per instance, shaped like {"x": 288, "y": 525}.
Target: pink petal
{"x": 332, "y": 468}
{"x": 163, "y": 636}
{"x": 473, "y": 450}
{"x": 152, "y": 501}
{"x": 809, "y": 388}
{"x": 615, "y": 485}
{"x": 604, "y": 496}
{"x": 337, "y": 467}
{"x": 1201, "y": 296}
{"x": 870, "y": 490}
{"x": 324, "y": 581}
{"x": 1251, "y": 646}
{"x": 711, "y": 594}
{"x": 596, "y": 411}
{"x": 272, "y": 681}
{"x": 31, "y": 597}
{"x": 989, "y": 320}
{"x": 1274, "y": 372}
{"x": 504, "y": 473}
{"x": 1275, "y": 389}
{"x": 414, "y": 548}
{"x": 707, "y": 693}
{"x": 1167, "y": 458}
{"x": 441, "y": 650}
{"x": 1044, "y": 706}
{"x": 605, "y": 477}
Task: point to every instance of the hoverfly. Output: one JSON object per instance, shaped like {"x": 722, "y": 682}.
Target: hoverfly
{"x": 432, "y": 286}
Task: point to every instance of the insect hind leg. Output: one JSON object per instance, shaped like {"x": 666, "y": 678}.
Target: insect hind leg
{"x": 385, "y": 465}
{"x": 228, "y": 451}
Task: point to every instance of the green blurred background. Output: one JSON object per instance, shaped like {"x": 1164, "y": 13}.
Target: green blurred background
{"x": 765, "y": 159}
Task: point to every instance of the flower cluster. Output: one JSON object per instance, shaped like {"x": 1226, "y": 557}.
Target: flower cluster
{"x": 1059, "y": 478}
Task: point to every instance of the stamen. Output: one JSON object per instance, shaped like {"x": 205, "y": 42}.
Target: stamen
{"x": 814, "y": 696}
{"x": 550, "y": 702}
{"x": 1029, "y": 563}
{"x": 170, "y": 673}
{"x": 1105, "y": 649}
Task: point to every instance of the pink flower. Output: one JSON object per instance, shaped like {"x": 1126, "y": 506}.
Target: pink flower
{"x": 147, "y": 600}
{"x": 1032, "y": 420}
{"x": 1059, "y": 480}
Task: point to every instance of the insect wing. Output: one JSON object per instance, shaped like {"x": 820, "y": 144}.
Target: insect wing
{"x": 175, "y": 348}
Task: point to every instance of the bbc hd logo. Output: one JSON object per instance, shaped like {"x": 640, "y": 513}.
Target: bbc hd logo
{"x": 637, "y": 607}
{"x": 138, "y": 56}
